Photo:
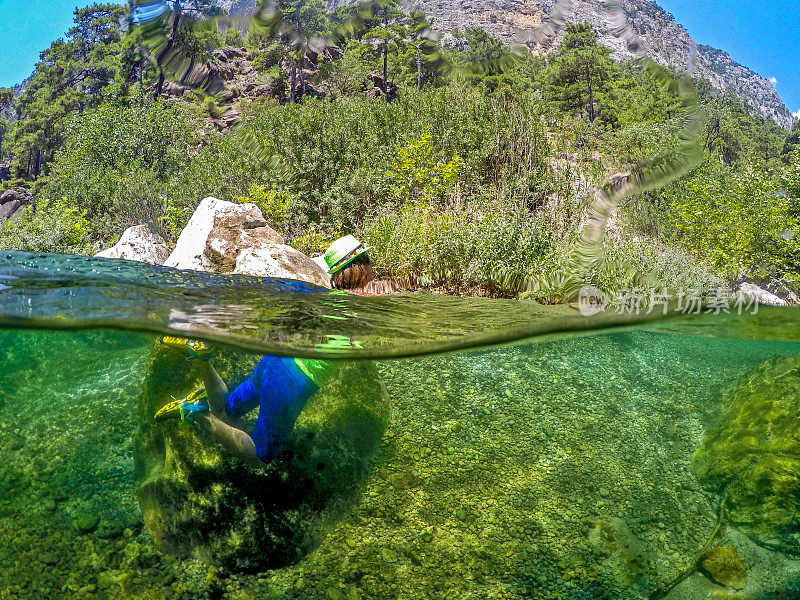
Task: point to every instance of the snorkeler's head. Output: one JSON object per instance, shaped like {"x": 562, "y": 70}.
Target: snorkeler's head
{"x": 348, "y": 264}
{"x": 354, "y": 276}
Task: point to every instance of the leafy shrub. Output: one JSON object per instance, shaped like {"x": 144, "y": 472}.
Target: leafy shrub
{"x": 211, "y": 108}
{"x": 456, "y": 248}
{"x": 415, "y": 175}
{"x": 233, "y": 37}
{"x": 333, "y": 157}
{"x": 268, "y": 58}
{"x": 740, "y": 224}
{"x": 118, "y": 163}
{"x": 274, "y": 205}
{"x": 316, "y": 239}
{"x": 349, "y": 76}
{"x": 54, "y": 226}
{"x": 643, "y": 262}
{"x": 638, "y": 142}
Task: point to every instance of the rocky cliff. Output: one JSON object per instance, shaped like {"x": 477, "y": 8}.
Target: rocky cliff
{"x": 9, "y": 114}
{"x": 238, "y": 7}
{"x": 752, "y": 86}
{"x": 661, "y": 37}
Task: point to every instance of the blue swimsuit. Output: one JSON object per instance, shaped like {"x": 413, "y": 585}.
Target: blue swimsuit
{"x": 280, "y": 387}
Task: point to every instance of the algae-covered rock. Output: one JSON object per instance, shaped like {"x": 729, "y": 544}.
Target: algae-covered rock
{"x": 197, "y": 499}
{"x": 726, "y": 595}
{"x": 86, "y": 522}
{"x": 725, "y": 567}
{"x": 752, "y": 453}
{"x": 619, "y": 547}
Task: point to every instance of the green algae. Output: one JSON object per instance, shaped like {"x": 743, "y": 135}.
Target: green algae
{"x": 752, "y": 453}
{"x": 553, "y": 470}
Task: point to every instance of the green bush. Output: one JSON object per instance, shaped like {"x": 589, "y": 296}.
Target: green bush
{"x": 643, "y": 262}
{"x": 743, "y": 223}
{"x": 333, "y": 157}
{"x": 274, "y": 205}
{"x": 53, "y": 226}
{"x": 457, "y": 248}
{"x": 118, "y": 163}
{"x": 416, "y": 178}
{"x": 316, "y": 239}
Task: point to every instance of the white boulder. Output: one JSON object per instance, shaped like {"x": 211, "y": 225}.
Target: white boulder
{"x": 762, "y": 296}
{"x": 140, "y": 244}
{"x": 279, "y": 260}
{"x": 223, "y": 237}
{"x": 217, "y": 233}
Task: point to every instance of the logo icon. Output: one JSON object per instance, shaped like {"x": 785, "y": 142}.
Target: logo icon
{"x": 591, "y": 300}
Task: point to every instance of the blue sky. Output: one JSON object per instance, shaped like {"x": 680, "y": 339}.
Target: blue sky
{"x": 26, "y": 28}
{"x": 764, "y": 36}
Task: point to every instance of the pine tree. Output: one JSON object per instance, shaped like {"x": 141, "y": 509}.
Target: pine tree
{"x": 425, "y": 45}
{"x": 6, "y": 100}
{"x": 76, "y": 72}
{"x": 301, "y": 24}
{"x": 384, "y": 24}
{"x": 580, "y": 71}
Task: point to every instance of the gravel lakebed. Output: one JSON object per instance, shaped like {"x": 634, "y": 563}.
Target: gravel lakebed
{"x": 556, "y": 470}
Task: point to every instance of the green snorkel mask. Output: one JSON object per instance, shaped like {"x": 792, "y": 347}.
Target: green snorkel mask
{"x": 342, "y": 252}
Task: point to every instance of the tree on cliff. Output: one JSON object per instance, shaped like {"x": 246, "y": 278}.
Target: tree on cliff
{"x": 300, "y": 28}
{"x": 579, "y": 73}
{"x": 6, "y": 100}
{"x": 424, "y": 47}
{"x": 385, "y": 28}
{"x": 172, "y": 39}
{"x": 792, "y": 143}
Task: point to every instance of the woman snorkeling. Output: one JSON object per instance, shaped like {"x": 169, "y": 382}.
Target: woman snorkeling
{"x": 279, "y": 386}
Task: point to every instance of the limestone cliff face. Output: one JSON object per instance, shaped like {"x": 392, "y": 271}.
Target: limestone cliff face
{"x": 663, "y": 40}
{"x": 747, "y": 84}
{"x": 238, "y": 7}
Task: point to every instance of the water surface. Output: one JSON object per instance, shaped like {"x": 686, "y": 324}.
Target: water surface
{"x": 568, "y": 465}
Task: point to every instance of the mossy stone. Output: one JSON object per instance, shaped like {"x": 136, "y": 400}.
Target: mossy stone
{"x": 132, "y": 550}
{"x": 389, "y": 555}
{"x": 727, "y": 595}
{"x": 86, "y": 522}
{"x": 109, "y": 529}
{"x": 196, "y": 498}
{"x": 753, "y": 452}
{"x": 725, "y": 567}
{"x": 403, "y": 480}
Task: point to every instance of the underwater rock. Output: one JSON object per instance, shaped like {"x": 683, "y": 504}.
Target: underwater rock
{"x": 216, "y": 233}
{"x": 621, "y": 549}
{"x": 198, "y": 500}
{"x": 752, "y": 453}
{"x": 403, "y": 480}
{"x": 109, "y": 529}
{"x": 140, "y": 244}
{"x": 726, "y": 595}
{"x": 280, "y": 260}
{"x": 725, "y": 567}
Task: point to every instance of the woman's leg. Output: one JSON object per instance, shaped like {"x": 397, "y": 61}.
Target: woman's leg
{"x": 216, "y": 390}
{"x": 234, "y": 440}
{"x": 221, "y": 426}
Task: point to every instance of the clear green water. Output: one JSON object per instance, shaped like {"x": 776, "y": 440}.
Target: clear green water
{"x": 590, "y": 462}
